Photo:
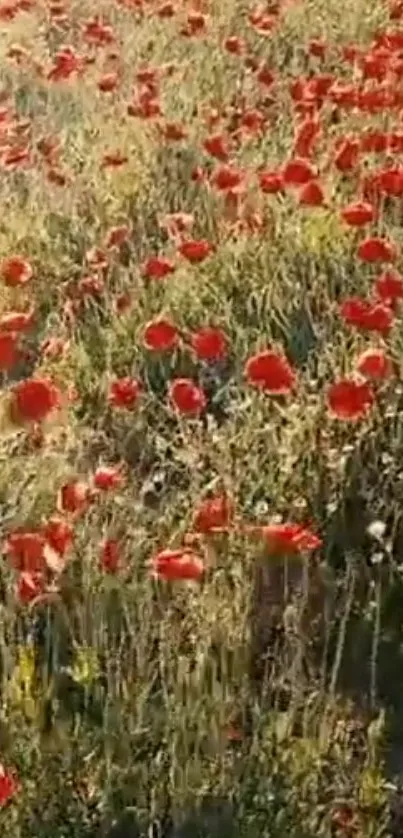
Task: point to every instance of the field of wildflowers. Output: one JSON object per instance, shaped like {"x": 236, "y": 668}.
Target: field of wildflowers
{"x": 201, "y": 418}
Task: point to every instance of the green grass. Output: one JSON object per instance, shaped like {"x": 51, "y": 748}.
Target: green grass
{"x": 265, "y": 700}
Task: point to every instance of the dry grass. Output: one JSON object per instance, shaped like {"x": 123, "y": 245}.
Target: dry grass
{"x": 259, "y": 702}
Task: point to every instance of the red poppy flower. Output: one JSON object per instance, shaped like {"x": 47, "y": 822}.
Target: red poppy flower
{"x": 364, "y": 314}
{"x": 117, "y": 236}
{"x": 49, "y": 146}
{"x": 374, "y": 141}
{"x": 391, "y": 39}
{"x": 195, "y": 24}
{"x": 160, "y": 335}
{"x": 8, "y": 786}
{"x": 270, "y": 372}
{"x": 345, "y": 820}
{"x": 114, "y": 160}
{"x": 58, "y": 534}
{"x": 122, "y": 302}
{"x": 108, "y": 82}
{"x": 297, "y": 88}
{"x": 187, "y": 397}
{"x": 34, "y": 399}
{"x": 395, "y": 140}
{"x": 16, "y": 156}
{"x": 252, "y": 122}
{"x": 107, "y": 478}
{"x": 74, "y": 497}
{"x": 166, "y": 10}
{"x": 265, "y": 75}
{"x": 145, "y": 106}
{"x": 213, "y": 514}
{"x": 349, "y": 400}
{"x": 173, "y": 131}
{"x": 17, "y": 321}
{"x": 344, "y": 95}
{"x": 375, "y": 65}
{"x": 288, "y": 539}
{"x": 15, "y": 271}
{"x": 124, "y": 392}
{"x": 25, "y": 551}
{"x": 347, "y": 154}
{"x": 270, "y": 182}
{"x": 29, "y": 587}
{"x": 110, "y": 557}
{"x": 377, "y": 99}
{"x": 396, "y": 10}
{"x": 176, "y": 565}
{"x": 227, "y": 178}
{"x": 319, "y": 86}
{"x": 311, "y": 195}
{"x": 157, "y": 267}
{"x": 195, "y": 250}
{"x": 209, "y": 343}
{"x": 377, "y": 249}
{"x": 375, "y": 364}
{"x": 262, "y": 21}
{"x": 350, "y": 53}
{"x": 297, "y": 172}
{"x": 56, "y": 176}
{"x": 8, "y": 11}
{"x": 147, "y": 75}
{"x": 385, "y": 182}
{"x": 306, "y": 135}
{"x": 234, "y": 45}
{"x": 389, "y": 286}
{"x": 218, "y": 146}
{"x": 380, "y": 319}
{"x": 317, "y": 47}
{"x": 66, "y": 63}
{"x": 98, "y": 33}
{"x": 358, "y": 214}
{"x": 9, "y": 350}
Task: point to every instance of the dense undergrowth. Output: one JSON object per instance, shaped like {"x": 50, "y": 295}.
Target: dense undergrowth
{"x": 201, "y": 418}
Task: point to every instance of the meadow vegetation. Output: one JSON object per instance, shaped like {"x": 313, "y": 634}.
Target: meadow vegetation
{"x": 201, "y": 418}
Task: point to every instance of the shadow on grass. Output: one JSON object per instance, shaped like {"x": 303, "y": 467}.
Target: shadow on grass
{"x": 214, "y": 820}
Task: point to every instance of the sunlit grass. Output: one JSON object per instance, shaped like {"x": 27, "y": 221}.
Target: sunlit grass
{"x": 177, "y": 709}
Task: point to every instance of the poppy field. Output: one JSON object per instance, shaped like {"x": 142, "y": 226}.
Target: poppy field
{"x": 201, "y": 418}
